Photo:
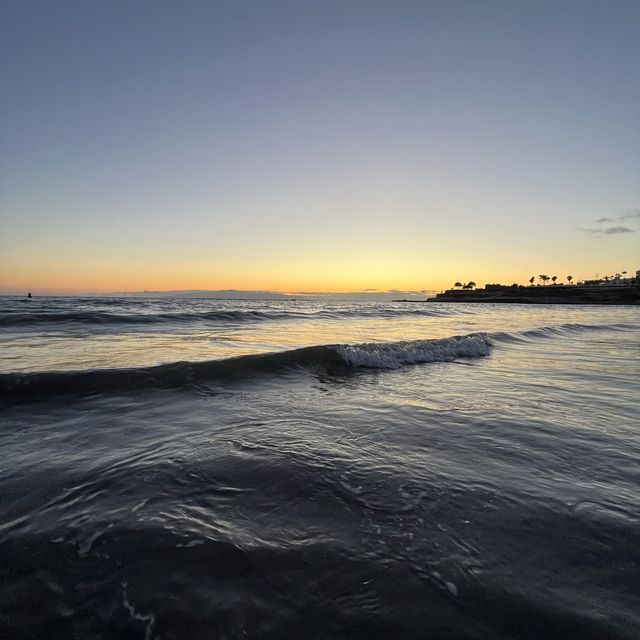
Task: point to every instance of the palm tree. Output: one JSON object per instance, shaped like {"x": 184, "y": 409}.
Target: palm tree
{"x": 569, "y": 279}
{"x": 457, "y": 284}
{"x": 554, "y": 278}
{"x": 471, "y": 284}
{"x": 544, "y": 278}
{"x": 531, "y": 280}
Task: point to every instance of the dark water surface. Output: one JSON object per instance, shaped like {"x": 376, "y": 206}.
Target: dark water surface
{"x": 210, "y": 469}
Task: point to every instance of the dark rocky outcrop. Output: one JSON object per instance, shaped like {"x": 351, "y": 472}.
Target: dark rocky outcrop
{"x": 552, "y": 294}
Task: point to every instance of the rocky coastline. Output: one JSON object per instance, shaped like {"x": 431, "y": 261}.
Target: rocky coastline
{"x": 551, "y": 294}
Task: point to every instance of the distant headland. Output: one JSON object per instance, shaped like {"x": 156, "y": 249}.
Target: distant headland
{"x": 616, "y": 289}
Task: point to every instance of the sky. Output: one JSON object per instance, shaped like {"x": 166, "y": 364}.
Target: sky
{"x": 316, "y": 146}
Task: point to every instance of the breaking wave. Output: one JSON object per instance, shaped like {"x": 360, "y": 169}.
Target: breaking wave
{"x": 331, "y": 358}
{"x": 391, "y": 355}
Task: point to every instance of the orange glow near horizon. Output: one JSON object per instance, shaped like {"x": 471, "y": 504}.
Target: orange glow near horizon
{"x": 99, "y": 283}
{"x": 292, "y": 264}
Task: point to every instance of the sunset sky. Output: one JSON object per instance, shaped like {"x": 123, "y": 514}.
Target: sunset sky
{"x": 316, "y": 146}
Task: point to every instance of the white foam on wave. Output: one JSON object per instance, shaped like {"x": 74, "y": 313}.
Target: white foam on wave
{"x": 392, "y": 355}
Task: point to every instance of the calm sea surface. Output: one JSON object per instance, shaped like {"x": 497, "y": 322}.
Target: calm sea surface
{"x": 215, "y": 469}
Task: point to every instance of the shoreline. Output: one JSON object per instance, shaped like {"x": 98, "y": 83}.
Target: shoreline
{"x": 553, "y": 294}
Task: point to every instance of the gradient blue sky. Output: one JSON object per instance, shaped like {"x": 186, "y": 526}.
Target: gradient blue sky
{"x": 317, "y": 146}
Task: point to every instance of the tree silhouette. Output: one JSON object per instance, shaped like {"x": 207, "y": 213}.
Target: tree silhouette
{"x": 569, "y": 279}
{"x": 544, "y": 278}
{"x": 554, "y": 278}
{"x": 531, "y": 280}
{"x": 457, "y": 284}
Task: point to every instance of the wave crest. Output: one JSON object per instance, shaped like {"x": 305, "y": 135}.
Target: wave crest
{"x": 391, "y": 355}
{"x": 331, "y": 358}
{"x": 107, "y": 318}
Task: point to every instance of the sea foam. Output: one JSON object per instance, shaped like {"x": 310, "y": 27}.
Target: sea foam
{"x": 392, "y": 355}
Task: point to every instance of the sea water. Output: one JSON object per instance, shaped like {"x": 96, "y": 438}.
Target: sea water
{"x": 243, "y": 469}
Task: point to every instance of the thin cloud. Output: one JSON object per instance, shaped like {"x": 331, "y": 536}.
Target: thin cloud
{"x": 613, "y": 230}
{"x": 627, "y": 215}
{"x": 606, "y": 231}
{"x": 630, "y": 214}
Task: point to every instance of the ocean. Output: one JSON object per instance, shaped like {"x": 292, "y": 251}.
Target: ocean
{"x": 320, "y": 470}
